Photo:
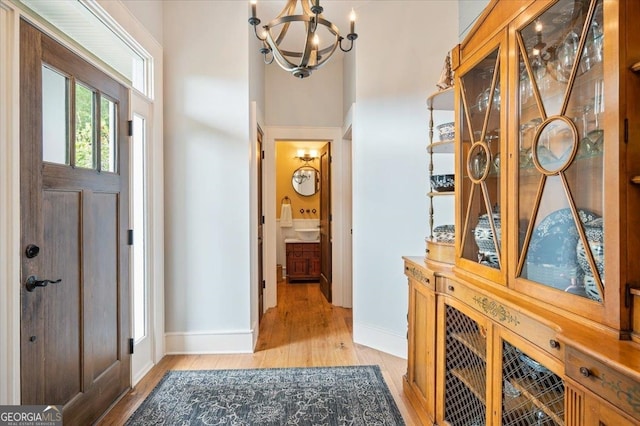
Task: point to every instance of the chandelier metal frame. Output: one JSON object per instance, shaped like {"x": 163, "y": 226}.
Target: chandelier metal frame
{"x": 300, "y": 63}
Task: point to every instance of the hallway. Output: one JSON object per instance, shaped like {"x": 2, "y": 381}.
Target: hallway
{"x": 302, "y": 331}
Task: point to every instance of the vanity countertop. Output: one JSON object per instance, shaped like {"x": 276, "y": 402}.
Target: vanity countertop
{"x": 296, "y": 240}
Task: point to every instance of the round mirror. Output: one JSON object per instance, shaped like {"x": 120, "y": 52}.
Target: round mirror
{"x": 305, "y": 180}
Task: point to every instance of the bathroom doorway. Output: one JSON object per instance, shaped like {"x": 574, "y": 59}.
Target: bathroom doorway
{"x": 284, "y": 142}
{"x": 301, "y": 225}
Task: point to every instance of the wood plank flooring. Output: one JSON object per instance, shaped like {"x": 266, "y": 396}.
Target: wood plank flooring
{"x": 302, "y": 331}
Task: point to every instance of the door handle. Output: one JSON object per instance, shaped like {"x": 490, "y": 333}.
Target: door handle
{"x": 33, "y": 282}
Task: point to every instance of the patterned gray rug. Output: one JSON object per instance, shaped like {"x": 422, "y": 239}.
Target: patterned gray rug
{"x": 275, "y": 396}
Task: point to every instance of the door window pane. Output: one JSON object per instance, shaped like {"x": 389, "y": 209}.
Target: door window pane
{"x": 55, "y": 129}
{"x": 108, "y": 131}
{"x": 85, "y": 135}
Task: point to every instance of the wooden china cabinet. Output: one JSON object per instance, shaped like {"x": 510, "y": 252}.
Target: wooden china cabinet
{"x": 538, "y": 321}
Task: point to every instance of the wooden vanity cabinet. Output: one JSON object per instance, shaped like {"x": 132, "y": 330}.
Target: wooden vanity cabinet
{"x": 303, "y": 261}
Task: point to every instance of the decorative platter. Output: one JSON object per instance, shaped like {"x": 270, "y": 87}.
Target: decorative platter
{"x": 552, "y": 255}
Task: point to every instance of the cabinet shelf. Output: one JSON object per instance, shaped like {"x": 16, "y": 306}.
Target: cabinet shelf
{"x": 551, "y": 402}
{"x": 590, "y": 160}
{"x": 438, "y": 194}
{"x": 474, "y": 341}
{"x": 442, "y": 147}
{"x": 443, "y": 100}
{"x": 470, "y": 378}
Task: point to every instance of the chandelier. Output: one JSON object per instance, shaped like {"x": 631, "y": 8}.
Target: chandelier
{"x": 309, "y": 53}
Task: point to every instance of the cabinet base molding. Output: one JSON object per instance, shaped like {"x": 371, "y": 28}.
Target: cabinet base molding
{"x": 422, "y": 413}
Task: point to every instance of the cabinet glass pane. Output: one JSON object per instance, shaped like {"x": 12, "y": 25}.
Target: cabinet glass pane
{"x": 481, "y": 236}
{"x": 85, "y": 135}
{"x": 561, "y": 144}
{"x": 531, "y": 393}
{"x": 108, "y": 115}
{"x": 466, "y": 370}
{"x": 55, "y": 117}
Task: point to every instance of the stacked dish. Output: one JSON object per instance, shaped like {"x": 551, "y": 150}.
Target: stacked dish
{"x": 446, "y": 131}
{"x": 443, "y": 183}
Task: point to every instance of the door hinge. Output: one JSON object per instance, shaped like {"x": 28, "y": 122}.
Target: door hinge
{"x": 130, "y": 127}
{"x": 263, "y": 219}
{"x": 626, "y": 130}
{"x": 130, "y": 237}
{"x": 131, "y": 344}
{"x": 264, "y": 284}
{"x": 262, "y": 154}
{"x": 628, "y": 297}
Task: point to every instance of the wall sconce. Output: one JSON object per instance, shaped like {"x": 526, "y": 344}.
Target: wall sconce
{"x": 305, "y": 156}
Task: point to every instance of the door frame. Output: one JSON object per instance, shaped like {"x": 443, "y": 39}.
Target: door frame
{"x": 341, "y": 208}
{"x": 154, "y": 237}
{"x": 10, "y": 258}
{"x": 10, "y": 253}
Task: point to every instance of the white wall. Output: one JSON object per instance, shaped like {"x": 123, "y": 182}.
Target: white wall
{"x": 468, "y": 12}
{"x": 150, "y": 14}
{"x": 207, "y": 184}
{"x": 399, "y": 57}
{"x": 315, "y": 101}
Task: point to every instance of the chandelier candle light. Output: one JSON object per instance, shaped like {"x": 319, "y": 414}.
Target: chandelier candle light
{"x": 307, "y": 55}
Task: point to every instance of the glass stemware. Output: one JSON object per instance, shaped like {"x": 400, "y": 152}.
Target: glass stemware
{"x": 592, "y": 53}
{"x": 567, "y": 53}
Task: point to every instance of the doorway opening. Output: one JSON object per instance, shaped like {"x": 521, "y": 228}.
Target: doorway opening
{"x": 334, "y": 231}
{"x": 298, "y": 211}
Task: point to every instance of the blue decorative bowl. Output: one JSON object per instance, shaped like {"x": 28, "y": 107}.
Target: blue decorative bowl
{"x": 444, "y": 234}
{"x": 484, "y": 235}
{"x": 443, "y": 183}
{"x": 446, "y": 131}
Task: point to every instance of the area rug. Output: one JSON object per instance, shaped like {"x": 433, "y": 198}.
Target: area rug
{"x": 276, "y": 396}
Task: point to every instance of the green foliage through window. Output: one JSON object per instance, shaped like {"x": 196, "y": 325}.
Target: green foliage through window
{"x": 85, "y": 133}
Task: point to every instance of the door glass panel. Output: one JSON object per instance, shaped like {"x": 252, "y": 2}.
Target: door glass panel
{"x": 561, "y": 140}
{"x": 55, "y": 123}
{"x": 552, "y": 43}
{"x": 108, "y": 134}
{"x": 85, "y": 135}
{"x": 140, "y": 290}
{"x": 481, "y": 162}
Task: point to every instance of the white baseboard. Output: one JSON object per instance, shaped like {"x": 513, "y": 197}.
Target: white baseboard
{"x": 379, "y": 339}
{"x": 209, "y": 342}
{"x": 143, "y": 372}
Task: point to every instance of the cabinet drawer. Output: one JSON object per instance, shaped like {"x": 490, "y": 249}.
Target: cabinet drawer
{"x": 294, "y": 248}
{"x": 534, "y": 329}
{"x": 612, "y": 385}
{"x": 310, "y": 247}
{"x": 419, "y": 274}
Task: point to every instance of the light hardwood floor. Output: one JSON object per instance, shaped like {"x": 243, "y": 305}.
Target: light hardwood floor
{"x": 302, "y": 331}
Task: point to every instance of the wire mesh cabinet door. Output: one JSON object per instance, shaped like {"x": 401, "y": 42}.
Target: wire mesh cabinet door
{"x": 528, "y": 387}
{"x": 463, "y": 365}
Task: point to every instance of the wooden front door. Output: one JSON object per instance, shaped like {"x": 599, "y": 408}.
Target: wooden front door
{"x": 325, "y": 221}
{"x": 75, "y": 324}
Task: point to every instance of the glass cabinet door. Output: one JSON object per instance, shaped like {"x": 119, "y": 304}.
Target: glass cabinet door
{"x": 561, "y": 147}
{"x": 480, "y": 167}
